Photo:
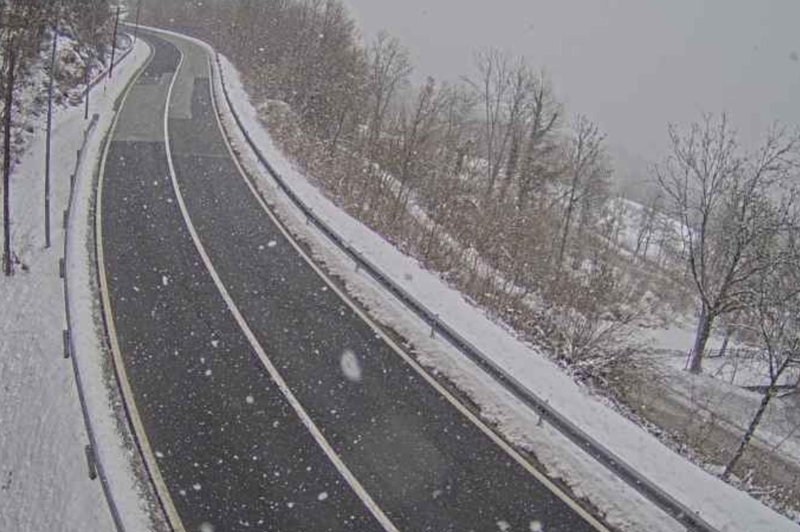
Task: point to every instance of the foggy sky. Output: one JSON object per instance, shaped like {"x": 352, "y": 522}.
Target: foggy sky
{"x": 631, "y": 65}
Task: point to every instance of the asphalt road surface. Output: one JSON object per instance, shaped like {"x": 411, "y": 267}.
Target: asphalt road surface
{"x": 231, "y": 447}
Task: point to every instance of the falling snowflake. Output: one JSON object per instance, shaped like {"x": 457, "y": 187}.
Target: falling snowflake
{"x": 351, "y": 368}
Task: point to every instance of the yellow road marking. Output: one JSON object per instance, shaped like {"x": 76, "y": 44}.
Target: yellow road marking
{"x": 119, "y": 364}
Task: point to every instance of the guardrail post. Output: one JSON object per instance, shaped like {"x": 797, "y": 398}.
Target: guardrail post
{"x": 90, "y": 462}
{"x": 66, "y": 343}
{"x": 61, "y": 268}
{"x": 541, "y": 413}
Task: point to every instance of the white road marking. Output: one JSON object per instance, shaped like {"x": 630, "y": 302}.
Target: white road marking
{"x": 348, "y": 476}
{"x": 119, "y": 365}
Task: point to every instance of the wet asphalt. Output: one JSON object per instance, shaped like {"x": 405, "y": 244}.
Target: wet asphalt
{"x": 232, "y": 451}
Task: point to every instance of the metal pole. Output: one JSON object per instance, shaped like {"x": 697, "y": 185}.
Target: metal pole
{"x": 86, "y": 89}
{"x": 48, "y": 141}
{"x": 9, "y": 100}
{"x": 113, "y": 46}
{"x": 86, "y": 65}
{"x": 136, "y": 30}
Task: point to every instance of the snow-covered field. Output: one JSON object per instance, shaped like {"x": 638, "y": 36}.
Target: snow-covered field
{"x": 723, "y": 506}
{"x": 44, "y": 482}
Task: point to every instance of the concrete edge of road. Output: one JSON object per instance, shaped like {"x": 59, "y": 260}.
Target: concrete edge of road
{"x": 688, "y": 517}
{"x": 129, "y": 404}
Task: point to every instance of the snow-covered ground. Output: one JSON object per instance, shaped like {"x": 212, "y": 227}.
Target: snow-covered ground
{"x": 718, "y": 503}
{"x": 44, "y": 483}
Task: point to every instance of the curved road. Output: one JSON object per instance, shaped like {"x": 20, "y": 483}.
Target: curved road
{"x": 267, "y": 401}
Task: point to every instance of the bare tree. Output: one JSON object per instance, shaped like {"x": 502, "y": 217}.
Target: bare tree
{"x": 725, "y": 202}
{"x": 584, "y": 161}
{"x": 540, "y": 161}
{"x": 413, "y": 159}
{"x": 389, "y": 68}
{"x": 776, "y": 319}
{"x": 503, "y": 87}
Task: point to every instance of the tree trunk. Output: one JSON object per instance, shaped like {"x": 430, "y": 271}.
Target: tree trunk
{"x": 725, "y": 341}
{"x": 567, "y": 223}
{"x": 751, "y": 429}
{"x": 700, "y": 340}
{"x": 9, "y": 105}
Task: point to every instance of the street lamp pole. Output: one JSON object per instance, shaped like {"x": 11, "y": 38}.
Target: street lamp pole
{"x": 136, "y": 30}
{"x": 113, "y": 45}
{"x": 48, "y": 139}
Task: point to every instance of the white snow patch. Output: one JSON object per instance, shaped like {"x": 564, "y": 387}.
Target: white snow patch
{"x": 351, "y": 367}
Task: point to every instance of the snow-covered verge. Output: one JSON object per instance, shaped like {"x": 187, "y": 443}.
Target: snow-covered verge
{"x": 718, "y": 503}
{"x": 43, "y": 465}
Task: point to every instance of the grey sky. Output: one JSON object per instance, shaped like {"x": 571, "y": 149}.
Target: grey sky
{"x": 631, "y": 65}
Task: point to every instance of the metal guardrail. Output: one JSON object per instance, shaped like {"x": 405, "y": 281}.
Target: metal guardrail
{"x": 687, "y": 517}
{"x": 94, "y": 465}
